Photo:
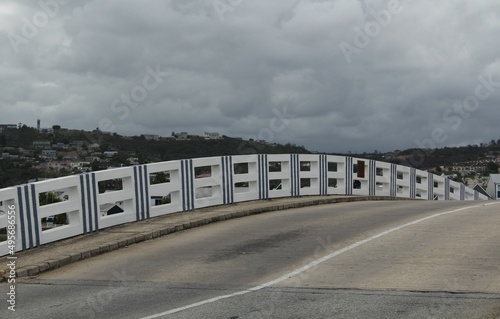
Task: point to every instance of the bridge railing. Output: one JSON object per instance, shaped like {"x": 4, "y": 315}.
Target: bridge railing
{"x": 93, "y": 201}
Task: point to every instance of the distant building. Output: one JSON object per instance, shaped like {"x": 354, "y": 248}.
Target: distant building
{"x": 42, "y": 144}
{"x": 110, "y": 154}
{"x": 76, "y": 144}
{"x": 151, "y": 137}
{"x": 493, "y": 186}
{"x": 46, "y": 130}
{"x": 94, "y": 146}
{"x": 8, "y": 126}
{"x": 181, "y": 135}
{"x": 211, "y": 135}
{"x": 49, "y": 154}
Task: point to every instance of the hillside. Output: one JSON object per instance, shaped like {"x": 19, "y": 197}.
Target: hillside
{"x": 23, "y": 161}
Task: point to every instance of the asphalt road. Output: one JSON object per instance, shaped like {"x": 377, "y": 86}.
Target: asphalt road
{"x": 414, "y": 259}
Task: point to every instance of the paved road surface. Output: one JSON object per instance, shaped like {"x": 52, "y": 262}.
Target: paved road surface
{"x": 354, "y": 260}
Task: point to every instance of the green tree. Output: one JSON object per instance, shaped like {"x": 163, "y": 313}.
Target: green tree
{"x": 492, "y": 167}
{"x": 48, "y": 198}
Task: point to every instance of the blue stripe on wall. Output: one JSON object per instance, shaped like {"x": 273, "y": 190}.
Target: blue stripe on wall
{"x": 372, "y": 178}
{"x": 294, "y": 175}
{"x": 431, "y": 186}
{"x": 187, "y": 185}
{"x": 28, "y": 215}
{"x": 323, "y": 175}
{"x": 21, "y": 214}
{"x": 136, "y": 188}
{"x": 84, "y": 207}
{"x": 348, "y": 177}
{"x": 413, "y": 183}
{"x": 35, "y": 215}
{"x": 141, "y": 193}
{"x": 394, "y": 175}
{"x": 263, "y": 177}
{"x": 227, "y": 179}
{"x": 96, "y": 209}
{"x": 146, "y": 190}
{"x": 446, "y": 189}
{"x": 89, "y": 199}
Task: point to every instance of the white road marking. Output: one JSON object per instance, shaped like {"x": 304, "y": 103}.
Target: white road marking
{"x": 310, "y": 265}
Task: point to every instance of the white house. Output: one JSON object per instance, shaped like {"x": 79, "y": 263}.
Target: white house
{"x": 493, "y": 186}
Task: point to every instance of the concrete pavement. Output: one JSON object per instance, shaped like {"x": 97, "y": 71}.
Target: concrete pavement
{"x": 55, "y": 255}
{"x": 390, "y": 260}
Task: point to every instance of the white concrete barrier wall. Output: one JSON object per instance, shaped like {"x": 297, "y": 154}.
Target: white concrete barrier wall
{"x": 146, "y": 191}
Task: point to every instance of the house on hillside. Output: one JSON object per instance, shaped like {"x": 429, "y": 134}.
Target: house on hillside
{"x": 493, "y": 186}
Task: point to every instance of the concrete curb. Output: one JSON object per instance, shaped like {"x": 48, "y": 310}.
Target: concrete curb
{"x": 34, "y": 270}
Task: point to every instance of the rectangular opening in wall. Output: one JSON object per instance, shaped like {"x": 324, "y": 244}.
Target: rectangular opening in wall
{"x": 400, "y": 175}
{"x": 274, "y": 166}
{"x": 355, "y": 168}
{"x": 305, "y": 166}
{"x": 110, "y": 185}
{"x": 159, "y": 178}
{"x": 305, "y": 182}
{"x": 109, "y": 209}
{"x": 380, "y": 171}
{"x": 203, "y": 171}
{"x": 241, "y": 187}
{"x": 452, "y": 190}
{"x": 356, "y": 184}
{"x": 275, "y": 184}
{"x": 332, "y": 182}
{"x": 419, "y": 194}
{"x": 51, "y": 197}
{"x": 332, "y": 167}
{"x": 54, "y": 221}
{"x": 419, "y": 180}
{"x": 241, "y": 168}
{"x": 161, "y": 200}
{"x": 361, "y": 169}
{"x": 3, "y": 234}
{"x": 400, "y": 189}
{"x": 204, "y": 192}
{"x": 379, "y": 186}
{"x": 436, "y": 184}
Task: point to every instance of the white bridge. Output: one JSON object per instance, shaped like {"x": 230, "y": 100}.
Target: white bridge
{"x": 146, "y": 191}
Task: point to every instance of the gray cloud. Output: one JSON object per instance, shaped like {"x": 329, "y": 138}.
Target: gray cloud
{"x": 229, "y": 74}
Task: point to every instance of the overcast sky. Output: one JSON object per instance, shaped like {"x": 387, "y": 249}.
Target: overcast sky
{"x": 332, "y": 75}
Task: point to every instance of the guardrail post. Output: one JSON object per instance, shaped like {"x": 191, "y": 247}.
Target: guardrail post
{"x": 393, "y": 183}
{"x": 413, "y": 183}
{"x": 28, "y": 213}
{"x": 263, "y": 177}
{"x": 89, "y": 200}
{"x": 187, "y": 177}
{"x": 227, "y": 179}
{"x": 323, "y": 175}
{"x": 372, "y": 178}
{"x": 294, "y": 175}
{"x": 348, "y": 175}
{"x": 431, "y": 186}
